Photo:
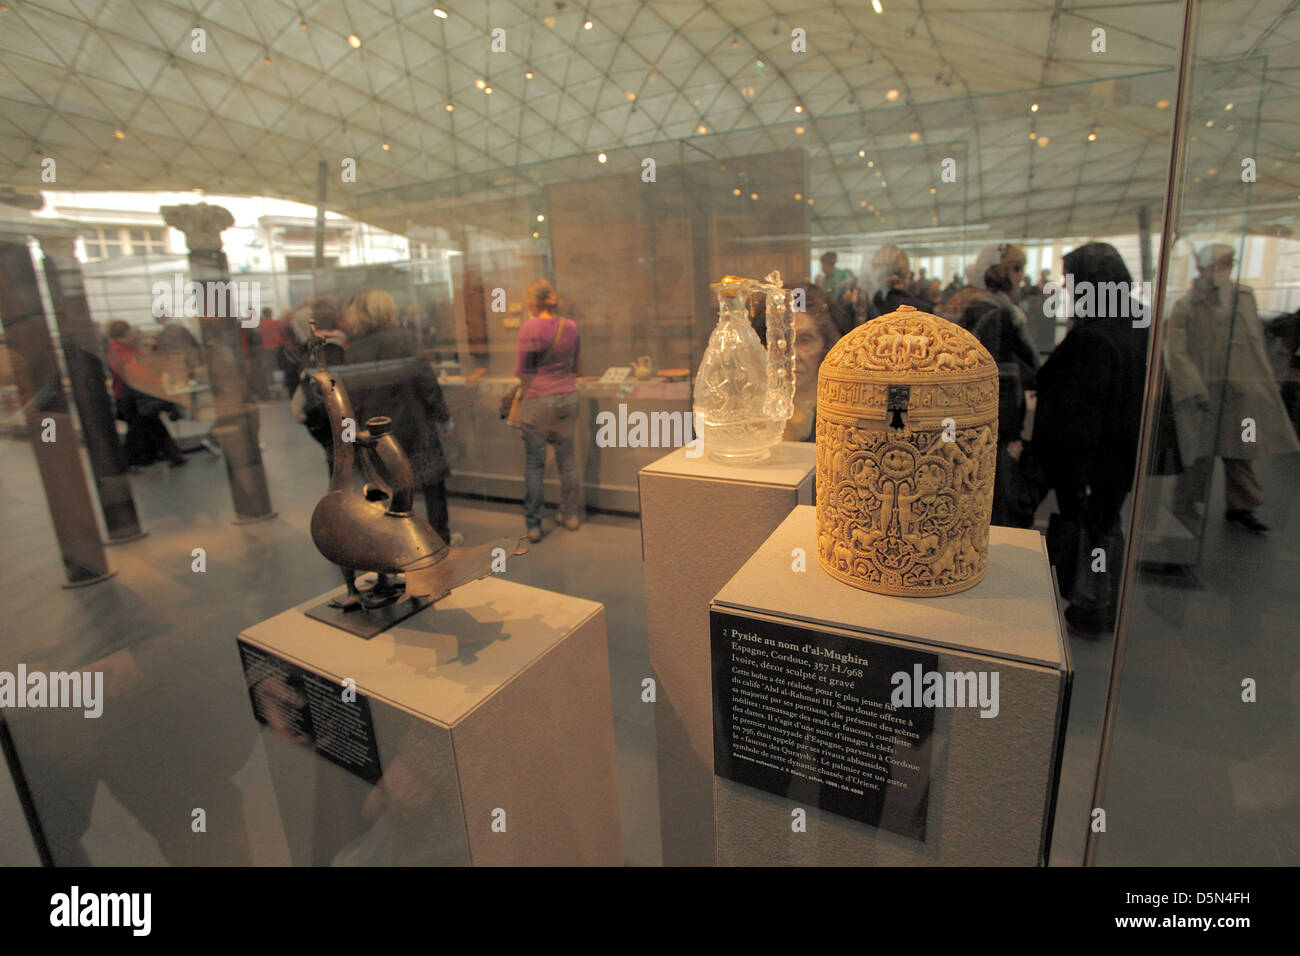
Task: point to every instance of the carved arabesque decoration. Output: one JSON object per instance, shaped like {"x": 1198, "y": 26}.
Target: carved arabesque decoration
{"x": 905, "y": 477}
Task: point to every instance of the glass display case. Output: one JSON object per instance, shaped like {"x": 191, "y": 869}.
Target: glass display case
{"x": 1105, "y": 200}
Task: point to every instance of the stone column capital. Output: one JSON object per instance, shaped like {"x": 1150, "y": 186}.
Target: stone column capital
{"x": 201, "y": 222}
{"x": 60, "y": 245}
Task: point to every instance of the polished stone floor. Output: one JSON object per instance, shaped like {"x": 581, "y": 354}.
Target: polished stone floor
{"x": 1198, "y": 775}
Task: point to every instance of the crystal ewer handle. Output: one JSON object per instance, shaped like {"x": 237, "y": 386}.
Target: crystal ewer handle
{"x": 779, "y": 400}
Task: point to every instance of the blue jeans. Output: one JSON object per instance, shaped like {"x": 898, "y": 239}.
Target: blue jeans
{"x": 553, "y": 420}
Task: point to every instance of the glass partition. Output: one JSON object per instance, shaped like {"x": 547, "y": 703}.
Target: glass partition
{"x": 1200, "y": 740}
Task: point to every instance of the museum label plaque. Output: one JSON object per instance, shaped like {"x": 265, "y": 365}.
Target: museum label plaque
{"x": 313, "y": 711}
{"x": 806, "y": 714}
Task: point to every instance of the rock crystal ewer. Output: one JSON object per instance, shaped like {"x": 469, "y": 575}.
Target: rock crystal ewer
{"x": 743, "y": 395}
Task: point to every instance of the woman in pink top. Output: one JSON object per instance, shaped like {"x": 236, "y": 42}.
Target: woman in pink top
{"x": 548, "y": 370}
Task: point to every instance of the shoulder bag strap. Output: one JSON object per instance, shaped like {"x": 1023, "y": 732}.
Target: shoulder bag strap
{"x": 559, "y": 327}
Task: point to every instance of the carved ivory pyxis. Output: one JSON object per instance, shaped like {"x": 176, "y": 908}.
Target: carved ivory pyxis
{"x": 907, "y": 409}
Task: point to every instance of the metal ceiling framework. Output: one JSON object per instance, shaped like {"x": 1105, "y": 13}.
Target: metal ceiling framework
{"x": 116, "y": 93}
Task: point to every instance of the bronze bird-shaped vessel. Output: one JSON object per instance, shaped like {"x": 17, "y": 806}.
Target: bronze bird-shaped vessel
{"x": 366, "y": 520}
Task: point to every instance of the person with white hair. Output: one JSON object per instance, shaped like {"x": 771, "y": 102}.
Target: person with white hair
{"x": 1225, "y": 398}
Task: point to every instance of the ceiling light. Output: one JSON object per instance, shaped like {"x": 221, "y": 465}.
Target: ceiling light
{"x": 119, "y": 134}
{"x": 753, "y": 195}
{"x": 735, "y": 191}
{"x": 535, "y": 235}
{"x": 914, "y": 136}
{"x": 108, "y": 165}
{"x": 302, "y": 24}
{"x": 267, "y": 59}
{"x": 798, "y": 130}
{"x": 1043, "y": 141}
{"x": 528, "y": 74}
{"x": 1227, "y": 106}
{"x": 798, "y": 108}
{"x": 862, "y": 154}
{"x": 630, "y": 96}
{"x": 701, "y": 128}
{"x": 871, "y": 164}
{"x": 440, "y": 13}
{"x": 450, "y": 107}
{"x": 883, "y": 184}
{"x": 1092, "y": 137}
{"x": 1162, "y": 104}
{"x": 385, "y": 147}
{"x": 891, "y": 95}
{"x": 862, "y": 203}
{"x": 480, "y": 82}
{"x": 355, "y": 41}
{"x": 1209, "y": 123}
{"x": 601, "y": 157}
{"x": 875, "y": 5}
{"x": 487, "y": 90}
{"x": 1033, "y": 108}
{"x": 1033, "y": 135}
{"x": 933, "y": 190}
{"x": 586, "y": 24}
{"x": 541, "y": 218}
{"x": 811, "y": 201}
{"x": 798, "y": 197}
{"x": 1213, "y": 172}
{"x": 747, "y": 91}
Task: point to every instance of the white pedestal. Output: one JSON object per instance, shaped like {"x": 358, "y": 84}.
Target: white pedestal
{"x": 495, "y": 699}
{"x": 992, "y": 781}
{"x": 700, "y": 520}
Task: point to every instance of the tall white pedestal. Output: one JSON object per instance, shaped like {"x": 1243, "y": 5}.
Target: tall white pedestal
{"x": 480, "y": 732}
{"x": 984, "y": 790}
{"x": 700, "y": 520}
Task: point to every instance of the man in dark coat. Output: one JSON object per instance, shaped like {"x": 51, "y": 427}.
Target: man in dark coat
{"x": 384, "y": 376}
{"x": 1089, "y": 414}
{"x": 991, "y": 318}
